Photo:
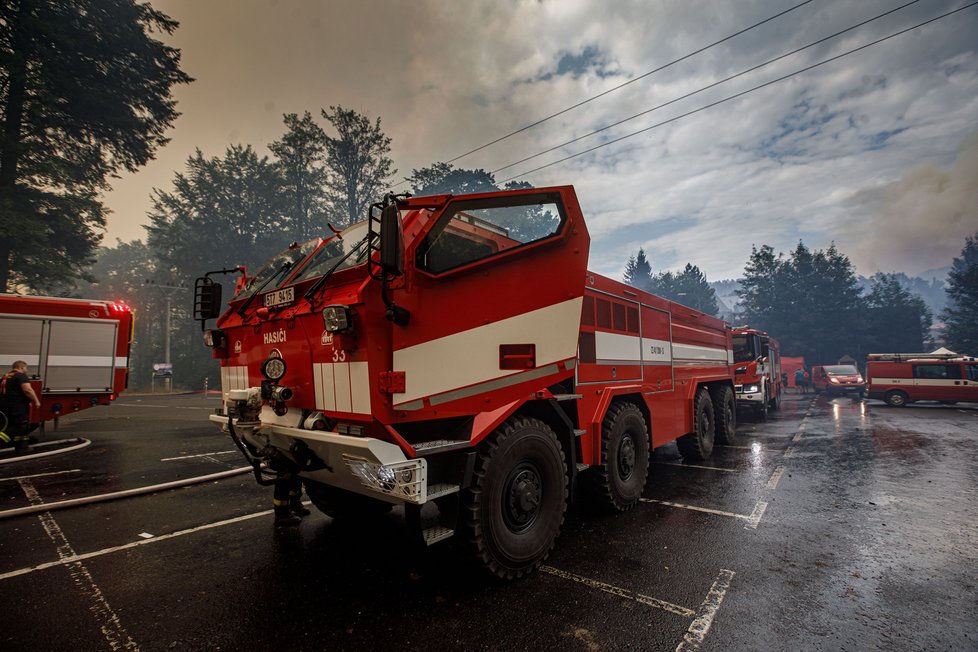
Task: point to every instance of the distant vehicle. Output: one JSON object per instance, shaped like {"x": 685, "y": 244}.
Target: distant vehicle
{"x": 757, "y": 372}
{"x": 76, "y": 350}
{"x": 838, "y": 380}
{"x": 901, "y": 378}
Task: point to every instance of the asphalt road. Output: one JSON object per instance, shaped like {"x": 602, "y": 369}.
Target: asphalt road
{"x": 834, "y": 525}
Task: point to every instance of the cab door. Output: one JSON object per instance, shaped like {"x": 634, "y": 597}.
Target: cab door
{"x": 494, "y": 291}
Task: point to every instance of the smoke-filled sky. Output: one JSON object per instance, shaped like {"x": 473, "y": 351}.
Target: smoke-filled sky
{"x": 876, "y": 151}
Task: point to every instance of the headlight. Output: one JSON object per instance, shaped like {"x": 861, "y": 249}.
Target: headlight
{"x": 834, "y": 380}
{"x": 750, "y": 389}
{"x": 405, "y": 480}
{"x": 273, "y": 369}
{"x": 336, "y": 318}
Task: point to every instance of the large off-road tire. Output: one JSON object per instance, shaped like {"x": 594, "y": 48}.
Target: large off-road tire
{"x": 513, "y": 512}
{"x": 342, "y": 504}
{"x": 761, "y": 409}
{"x": 624, "y": 457}
{"x": 896, "y": 398}
{"x": 725, "y": 411}
{"x": 698, "y": 445}
{"x": 775, "y": 403}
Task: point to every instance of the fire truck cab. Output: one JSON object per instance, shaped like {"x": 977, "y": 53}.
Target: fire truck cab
{"x": 757, "y": 369}
{"x": 455, "y": 350}
{"x": 902, "y": 378}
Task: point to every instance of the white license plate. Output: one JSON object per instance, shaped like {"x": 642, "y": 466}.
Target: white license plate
{"x": 282, "y": 297}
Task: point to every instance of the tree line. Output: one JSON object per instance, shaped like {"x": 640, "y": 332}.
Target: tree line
{"x": 812, "y": 303}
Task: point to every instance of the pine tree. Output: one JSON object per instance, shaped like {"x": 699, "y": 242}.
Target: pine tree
{"x": 638, "y": 272}
{"x": 898, "y": 321}
{"x": 961, "y": 315}
{"x": 301, "y": 154}
{"x": 84, "y": 93}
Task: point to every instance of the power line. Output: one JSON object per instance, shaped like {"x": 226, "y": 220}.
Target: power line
{"x": 742, "y": 93}
{"x": 630, "y": 81}
{"x": 704, "y": 88}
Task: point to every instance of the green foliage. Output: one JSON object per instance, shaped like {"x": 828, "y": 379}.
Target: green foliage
{"x": 689, "y": 287}
{"x": 638, "y": 272}
{"x": 358, "y": 165}
{"x": 444, "y": 178}
{"x": 961, "y": 315}
{"x": 84, "y": 93}
{"x": 301, "y": 164}
{"x": 897, "y": 320}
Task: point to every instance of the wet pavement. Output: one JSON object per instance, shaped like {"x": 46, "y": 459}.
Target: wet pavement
{"x": 834, "y": 525}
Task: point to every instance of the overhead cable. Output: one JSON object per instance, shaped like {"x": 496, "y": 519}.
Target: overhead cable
{"x": 742, "y": 93}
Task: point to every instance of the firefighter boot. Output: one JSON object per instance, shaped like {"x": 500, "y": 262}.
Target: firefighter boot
{"x": 284, "y": 516}
{"x": 296, "y": 506}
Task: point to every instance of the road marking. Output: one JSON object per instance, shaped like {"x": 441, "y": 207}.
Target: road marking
{"x": 696, "y": 466}
{"x": 145, "y": 535}
{"x": 187, "y": 457}
{"x": 106, "y": 551}
{"x": 797, "y": 436}
{"x": 115, "y": 634}
{"x": 775, "y": 478}
{"x": 755, "y": 517}
{"x": 620, "y": 592}
{"x": 700, "y": 627}
{"x": 41, "y": 475}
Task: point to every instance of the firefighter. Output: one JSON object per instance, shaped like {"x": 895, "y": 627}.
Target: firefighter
{"x": 16, "y": 398}
{"x": 287, "y": 500}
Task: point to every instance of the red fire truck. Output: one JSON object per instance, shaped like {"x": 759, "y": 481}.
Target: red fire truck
{"x": 757, "y": 371}
{"x": 455, "y": 350}
{"x": 901, "y": 378}
{"x": 77, "y": 350}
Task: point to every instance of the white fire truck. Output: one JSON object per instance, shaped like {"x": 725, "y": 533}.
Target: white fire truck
{"x": 757, "y": 371}
{"x": 77, "y": 350}
{"x": 901, "y": 378}
{"x": 456, "y": 350}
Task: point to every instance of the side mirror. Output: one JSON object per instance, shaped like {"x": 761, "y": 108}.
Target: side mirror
{"x": 391, "y": 241}
{"x": 207, "y": 299}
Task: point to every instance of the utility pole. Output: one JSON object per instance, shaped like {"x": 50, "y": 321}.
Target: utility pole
{"x": 168, "y": 293}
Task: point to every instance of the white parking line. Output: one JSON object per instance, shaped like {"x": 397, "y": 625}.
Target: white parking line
{"x": 700, "y": 627}
{"x": 753, "y": 519}
{"x": 798, "y": 435}
{"x": 696, "y": 466}
{"x": 112, "y": 629}
{"x": 41, "y": 475}
{"x": 187, "y": 457}
{"x": 620, "y": 592}
{"x": 106, "y": 551}
{"x": 775, "y": 478}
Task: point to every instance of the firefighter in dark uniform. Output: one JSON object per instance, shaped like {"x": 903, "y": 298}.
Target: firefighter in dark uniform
{"x": 16, "y": 397}
{"x": 287, "y": 500}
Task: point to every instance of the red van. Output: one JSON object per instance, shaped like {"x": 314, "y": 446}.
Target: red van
{"x": 901, "y": 378}
{"x": 838, "y": 379}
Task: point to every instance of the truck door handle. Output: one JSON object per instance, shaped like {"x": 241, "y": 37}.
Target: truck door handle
{"x": 957, "y": 382}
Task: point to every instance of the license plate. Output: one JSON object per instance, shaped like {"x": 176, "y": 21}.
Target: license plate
{"x": 282, "y": 297}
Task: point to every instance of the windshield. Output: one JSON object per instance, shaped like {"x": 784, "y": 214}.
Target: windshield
{"x": 333, "y": 251}
{"x": 841, "y": 370}
{"x": 744, "y": 348}
{"x": 280, "y": 265}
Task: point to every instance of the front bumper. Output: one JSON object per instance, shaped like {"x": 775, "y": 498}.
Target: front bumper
{"x": 364, "y": 465}
{"x": 748, "y": 397}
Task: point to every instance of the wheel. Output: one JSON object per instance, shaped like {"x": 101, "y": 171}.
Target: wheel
{"x": 774, "y": 403}
{"x": 726, "y": 415}
{"x": 624, "y": 456}
{"x": 514, "y": 510}
{"x": 342, "y": 504}
{"x": 761, "y": 410}
{"x": 698, "y": 445}
{"x": 896, "y": 398}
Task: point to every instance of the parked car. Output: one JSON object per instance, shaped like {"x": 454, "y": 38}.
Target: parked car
{"x": 901, "y": 378}
{"x": 838, "y": 380}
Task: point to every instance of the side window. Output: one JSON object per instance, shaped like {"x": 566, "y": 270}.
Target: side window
{"x": 972, "y": 370}
{"x": 936, "y": 371}
{"x": 470, "y": 231}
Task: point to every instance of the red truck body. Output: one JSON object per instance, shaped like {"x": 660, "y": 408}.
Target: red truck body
{"x": 77, "y": 350}
{"x": 485, "y": 375}
{"x": 757, "y": 370}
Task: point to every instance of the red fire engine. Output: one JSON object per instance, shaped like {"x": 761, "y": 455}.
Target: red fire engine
{"x": 757, "y": 371}
{"x": 77, "y": 350}
{"x": 455, "y": 350}
{"x": 901, "y": 378}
